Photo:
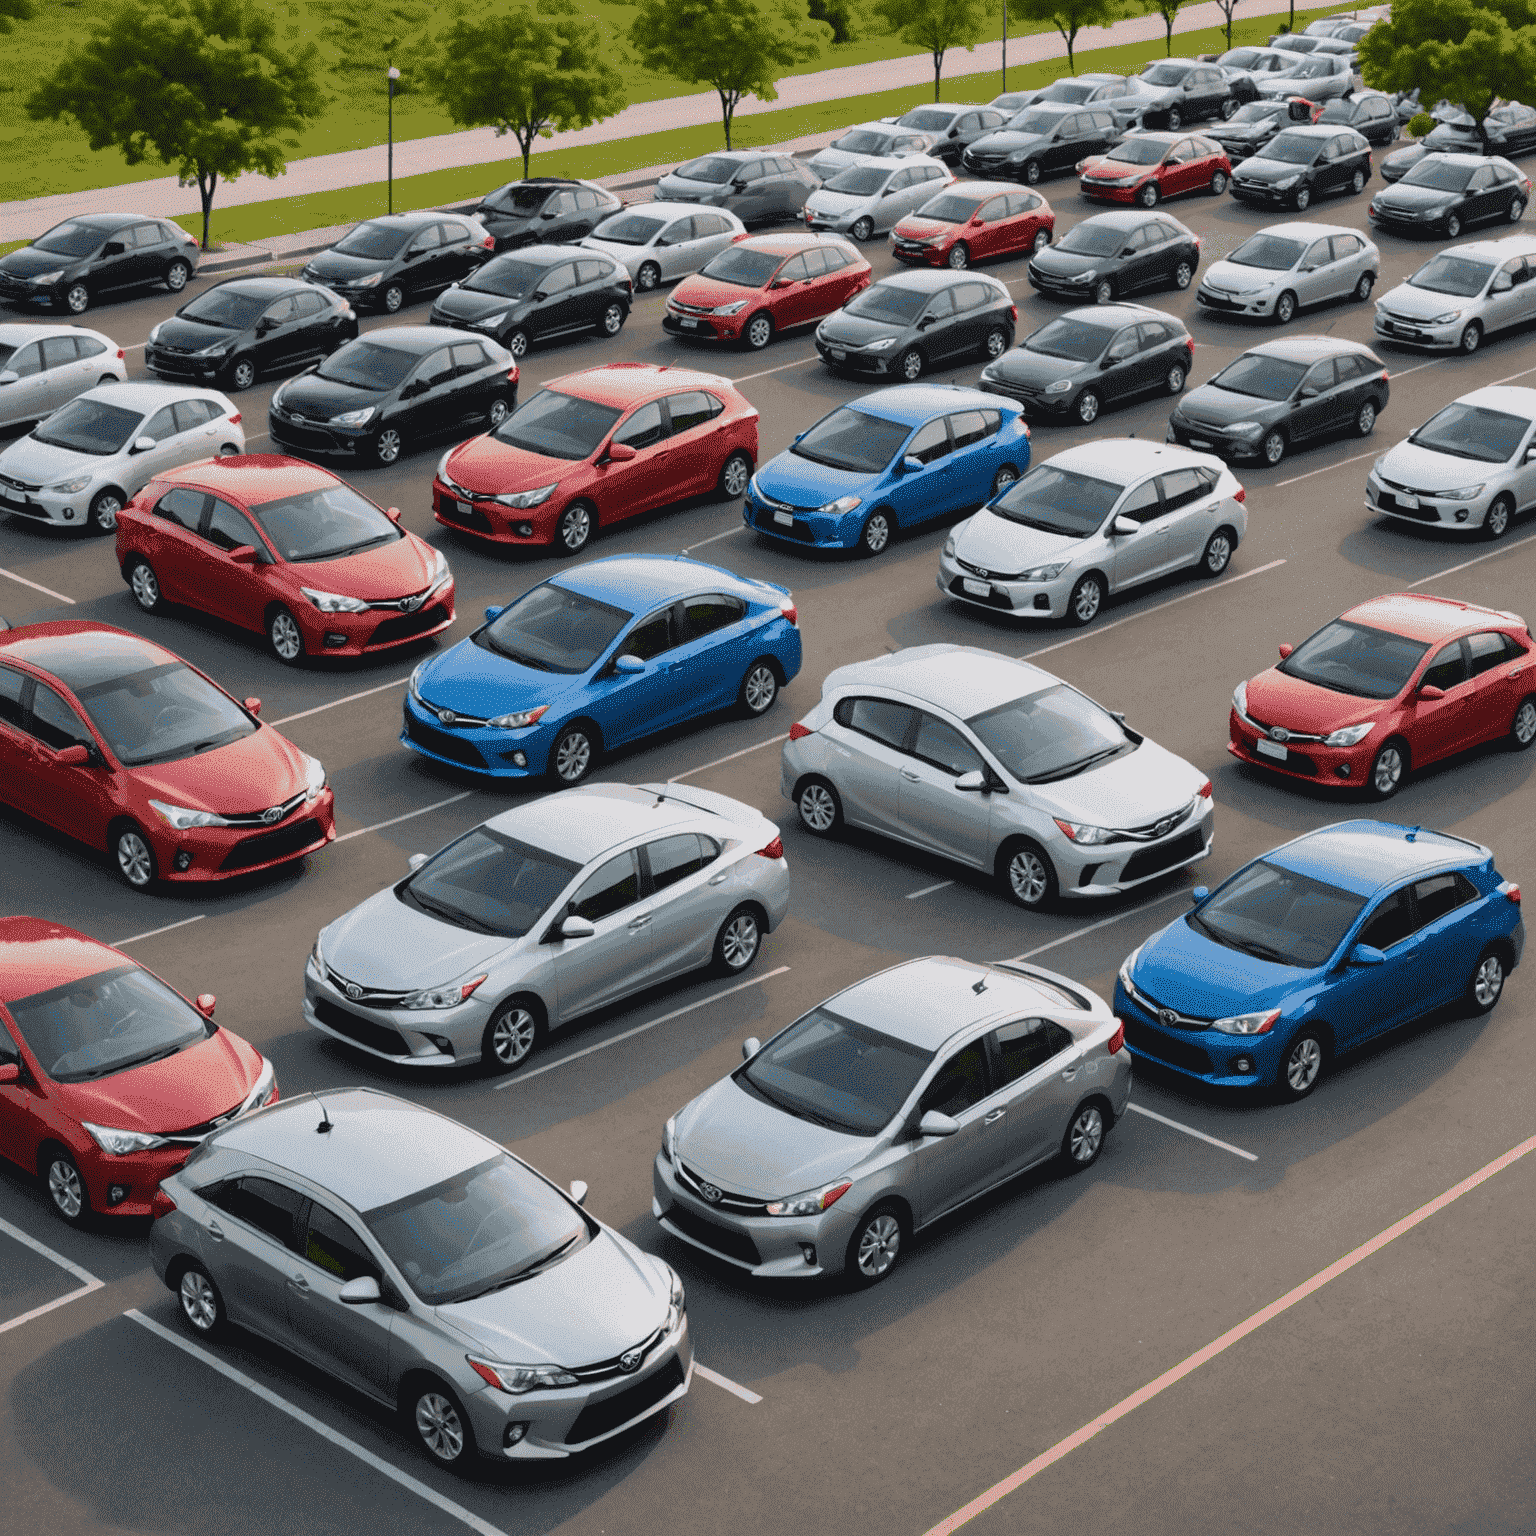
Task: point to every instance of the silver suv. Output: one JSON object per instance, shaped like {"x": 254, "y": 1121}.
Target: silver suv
{"x": 1459, "y": 296}
{"x": 887, "y": 1107}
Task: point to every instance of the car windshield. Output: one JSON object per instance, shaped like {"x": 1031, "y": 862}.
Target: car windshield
{"x": 106, "y": 1023}
{"x": 1447, "y": 135}
{"x": 162, "y": 714}
{"x": 71, "y": 239}
{"x": 89, "y": 426}
{"x": 367, "y": 365}
{"x": 712, "y": 168}
{"x": 859, "y": 180}
{"x": 1473, "y": 432}
{"x": 743, "y": 266}
{"x": 226, "y": 307}
{"x": 1139, "y": 152}
{"x": 373, "y": 242}
{"x": 1455, "y": 275}
{"x": 1054, "y": 734}
{"x": 553, "y": 629}
{"x": 324, "y": 524}
{"x": 1162, "y": 75}
{"x": 1068, "y": 337}
{"x": 861, "y": 142}
{"x": 508, "y": 277}
{"x": 1072, "y": 92}
{"x": 1258, "y": 112}
{"x": 1240, "y": 58}
{"x": 950, "y": 207}
{"x": 1439, "y": 174}
{"x": 1058, "y": 501}
{"x": 558, "y": 426}
{"x": 1030, "y": 121}
{"x": 927, "y": 119}
{"x": 1355, "y": 659}
{"x": 481, "y": 1230}
{"x": 629, "y": 229}
{"x": 488, "y": 883}
{"x": 1264, "y": 378}
{"x": 1313, "y": 69}
{"x": 854, "y": 440}
{"x": 1090, "y": 239}
{"x": 1292, "y": 149}
{"x": 888, "y": 302}
{"x": 1339, "y": 112}
{"x": 518, "y": 198}
{"x": 1276, "y": 914}
{"x": 833, "y": 1072}
{"x": 1271, "y": 252}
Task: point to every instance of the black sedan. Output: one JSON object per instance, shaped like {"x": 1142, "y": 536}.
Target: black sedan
{"x": 1040, "y": 141}
{"x": 1173, "y": 92}
{"x": 1078, "y": 363}
{"x": 537, "y": 294}
{"x": 1509, "y": 129}
{"x": 1293, "y": 390}
{"x": 238, "y": 330}
{"x": 385, "y": 392}
{"x": 84, "y": 259}
{"x": 383, "y": 262}
{"x": 1370, "y": 113}
{"x": 1113, "y": 254}
{"x": 545, "y": 210}
{"x": 1302, "y": 164}
{"x": 907, "y": 322}
{"x": 1253, "y": 126}
{"x": 1444, "y": 194}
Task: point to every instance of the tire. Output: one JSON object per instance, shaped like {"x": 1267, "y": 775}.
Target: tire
{"x": 613, "y": 320}
{"x": 241, "y": 374}
{"x": 1497, "y": 518}
{"x": 995, "y": 344}
{"x": 1516, "y": 210}
{"x": 1272, "y": 448}
{"x": 199, "y": 1302}
{"x": 1084, "y": 1137}
{"x": 1364, "y": 286}
{"x": 76, "y": 299}
{"x": 512, "y": 1034}
{"x": 1150, "y": 195}
{"x": 176, "y": 276}
{"x": 1027, "y": 876}
{"x": 1301, "y": 1068}
{"x": 574, "y": 527}
{"x": 959, "y": 256}
{"x": 1087, "y": 407}
{"x": 1042, "y": 239}
{"x": 735, "y": 475}
{"x": 1302, "y": 200}
{"x": 1486, "y": 984}
{"x": 1388, "y": 769}
{"x": 875, "y": 1246}
{"x": 145, "y": 586}
{"x": 863, "y": 230}
{"x": 1005, "y": 476}
{"x": 1228, "y": 109}
{"x": 573, "y": 755}
{"x": 648, "y": 277}
{"x": 517, "y": 344}
{"x": 1183, "y": 275}
{"x": 1173, "y": 382}
{"x": 1285, "y": 308}
{"x": 739, "y": 942}
{"x": 758, "y": 332}
{"x": 499, "y": 410}
{"x": 67, "y": 1193}
{"x": 1218, "y": 553}
{"x": 1357, "y": 183}
{"x": 875, "y": 534}
{"x": 1365, "y": 419}
{"x": 388, "y": 445}
{"x": 1452, "y": 226}
{"x": 1175, "y": 120}
{"x": 392, "y": 299}
{"x": 102, "y": 517}
{"x": 821, "y": 811}
{"x": 134, "y": 857}
{"x": 1032, "y": 172}
{"x": 1086, "y": 600}
{"x": 437, "y": 1419}
{"x": 1104, "y": 291}
{"x": 1218, "y": 183}
{"x": 759, "y": 688}
{"x": 285, "y": 637}
{"x": 1522, "y": 729}
{"x": 910, "y": 365}
{"x": 1471, "y": 338}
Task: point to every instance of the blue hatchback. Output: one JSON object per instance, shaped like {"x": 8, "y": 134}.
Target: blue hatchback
{"x": 1315, "y": 948}
{"x": 597, "y": 657}
{"x": 894, "y": 459}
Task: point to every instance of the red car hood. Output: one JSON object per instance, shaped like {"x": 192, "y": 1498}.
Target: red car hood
{"x": 699, "y": 289}
{"x": 482, "y": 464}
{"x": 1102, "y": 166}
{"x": 914, "y": 228}
{"x": 389, "y": 570}
{"x": 187, "y": 1089}
{"x": 1278, "y": 699}
{"x": 259, "y": 770}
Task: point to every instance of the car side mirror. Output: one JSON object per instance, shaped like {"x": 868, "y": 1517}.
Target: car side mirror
{"x": 1124, "y": 527}
{"x": 1198, "y": 894}
{"x": 9, "y": 376}
{"x": 76, "y": 756}
{"x": 1130, "y": 250}
{"x": 738, "y": 186}
{"x": 143, "y": 444}
{"x": 974, "y": 782}
{"x": 360, "y": 1292}
{"x": 1285, "y": 650}
{"x": 576, "y": 928}
{"x": 750, "y": 1047}
{"x": 782, "y": 282}
{"x": 1530, "y": 454}
{"x": 619, "y": 453}
{"x": 253, "y": 705}
{"x": 1366, "y": 954}
{"x": 548, "y": 213}
{"x": 411, "y": 388}
{"x": 925, "y": 322}
{"x": 243, "y": 554}
{"x": 1503, "y": 283}
{"x": 579, "y": 1191}
{"x": 205, "y": 1004}
{"x": 113, "y": 248}
{"x": 392, "y": 513}
{"x": 1309, "y": 391}
{"x": 10, "y": 1072}
{"x": 265, "y": 324}
{"x": 492, "y": 611}
{"x": 628, "y": 666}
{"x": 911, "y": 466}
{"x": 415, "y": 861}
{"x": 935, "y": 1124}
{"x": 1429, "y": 693}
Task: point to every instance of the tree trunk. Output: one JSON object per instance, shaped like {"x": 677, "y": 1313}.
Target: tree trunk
{"x": 1070, "y": 38}
{"x": 525, "y": 134}
{"x": 1168, "y": 24}
{"x": 938, "y": 64}
{"x": 728, "y": 104}
{"x": 206, "y": 182}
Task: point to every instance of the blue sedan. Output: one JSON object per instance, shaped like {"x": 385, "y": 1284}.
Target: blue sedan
{"x": 1317, "y": 947}
{"x": 894, "y": 459}
{"x": 600, "y": 656}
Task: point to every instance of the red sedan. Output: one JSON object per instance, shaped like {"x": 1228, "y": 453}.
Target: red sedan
{"x": 763, "y": 284}
{"x": 108, "y": 1077}
{"x": 1393, "y": 684}
{"x": 126, "y": 747}
{"x": 972, "y": 222}
{"x": 596, "y": 447}
{"x": 286, "y": 549}
{"x": 1147, "y": 167}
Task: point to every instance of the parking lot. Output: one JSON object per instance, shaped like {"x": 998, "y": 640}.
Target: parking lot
{"x": 1396, "y": 1393}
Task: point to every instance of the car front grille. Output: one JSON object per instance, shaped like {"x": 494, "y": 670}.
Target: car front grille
{"x": 1153, "y": 830}
{"x": 1151, "y": 861}
{"x": 372, "y": 997}
{"x": 723, "y": 1240}
{"x": 1213, "y": 300}
{"x": 606, "y": 1370}
{"x": 1147, "y": 1041}
{"x": 442, "y": 744}
{"x": 408, "y": 624}
{"x": 293, "y": 435}
{"x": 691, "y": 309}
{"x": 377, "y": 1037}
{"x": 12, "y": 483}
{"x": 268, "y": 818}
{"x": 463, "y": 515}
{"x": 742, "y": 1205}
{"x": 601, "y": 1418}
{"x": 266, "y": 847}
{"x": 195, "y": 1133}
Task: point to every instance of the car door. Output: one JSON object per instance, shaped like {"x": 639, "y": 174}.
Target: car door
{"x": 560, "y": 222}
{"x": 750, "y": 193}
{"x": 826, "y": 281}
{"x": 560, "y": 305}
{"x": 638, "y": 484}
{"x": 1138, "y": 556}
{"x": 1037, "y": 1064}
{"x": 1350, "y": 261}
{"x": 937, "y": 326}
{"x": 715, "y": 645}
{"x": 673, "y": 248}
{"x": 1142, "y": 258}
{"x": 1187, "y": 519}
{"x": 936, "y": 815}
{"x": 17, "y": 745}
{"x": 1509, "y": 297}
{"x": 35, "y": 392}
{"x": 1160, "y": 348}
{"x": 236, "y": 590}
{"x": 635, "y": 704}
{"x": 179, "y": 557}
{"x": 1314, "y": 407}
{"x": 845, "y": 277}
{"x": 988, "y": 229}
{"x": 171, "y": 450}
{"x": 1440, "y": 726}
{"x": 934, "y": 489}
{"x": 1499, "y": 681}
{"x": 141, "y": 260}
{"x": 20, "y": 1101}
{"x": 280, "y": 339}
{"x": 320, "y": 327}
{"x": 869, "y": 749}
{"x": 77, "y": 800}
{"x": 460, "y": 253}
{"x": 788, "y": 188}
{"x": 1064, "y": 147}
{"x": 690, "y": 898}
{"x": 70, "y": 364}
{"x": 974, "y": 454}
{"x": 607, "y": 964}
{"x": 692, "y": 455}
{"x": 1097, "y": 133}
{"x": 431, "y": 405}
{"x": 1364, "y": 1000}
{"x": 1445, "y": 943}
{"x": 419, "y": 268}
{"x": 249, "y": 1241}
{"x": 1483, "y": 198}
{"x": 711, "y": 235}
{"x": 793, "y": 300}
{"x": 951, "y": 1169}
{"x": 1382, "y": 121}
{"x": 1121, "y": 369}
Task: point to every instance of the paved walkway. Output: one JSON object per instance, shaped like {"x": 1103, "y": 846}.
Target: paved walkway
{"x": 480, "y": 146}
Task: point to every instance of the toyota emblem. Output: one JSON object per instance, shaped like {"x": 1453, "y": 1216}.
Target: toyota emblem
{"x": 710, "y": 1193}
{"x": 1165, "y": 825}
{"x": 1167, "y": 1017}
{"x": 272, "y": 814}
{"x": 981, "y": 572}
{"x": 1279, "y": 733}
{"x": 354, "y": 991}
{"x": 447, "y": 716}
{"x": 631, "y": 1360}
{"x": 411, "y": 604}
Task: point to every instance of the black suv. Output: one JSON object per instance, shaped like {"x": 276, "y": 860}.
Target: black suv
{"x": 1303, "y": 163}
{"x": 80, "y": 260}
{"x": 383, "y": 262}
{"x": 545, "y": 210}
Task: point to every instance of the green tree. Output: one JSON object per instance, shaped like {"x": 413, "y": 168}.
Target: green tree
{"x": 740, "y": 47}
{"x": 1069, "y": 17}
{"x": 936, "y": 26}
{"x": 13, "y": 11}
{"x": 202, "y": 84}
{"x": 1169, "y": 11}
{"x": 526, "y": 70}
{"x": 839, "y": 15}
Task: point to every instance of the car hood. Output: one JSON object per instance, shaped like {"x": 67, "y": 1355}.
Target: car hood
{"x": 1415, "y": 199}
{"x": 333, "y": 267}
{"x": 1220, "y": 407}
{"x": 1116, "y": 170}
{"x": 708, "y": 292}
{"x": 594, "y": 1306}
{"x": 1231, "y": 134}
{"x": 1060, "y": 263}
{"x": 1401, "y": 161}
{"x": 237, "y": 779}
{"x": 190, "y": 1088}
{"x": 193, "y": 335}
{"x": 1127, "y": 791}
{"x": 506, "y": 222}
{"x": 1277, "y": 698}
{"x": 470, "y": 304}
{"x": 830, "y": 159}
{"x": 1426, "y": 469}
{"x": 320, "y": 399}
{"x": 915, "y": 227}
{"x": 374, "y": 575}
{"x": 1410, "y": 302}
{"x": 1261, "y": 168}
{"x": 1007, "y": 143}
{"x": 493, "y": 468}
{"x": 995, "y": 544}
{"x": 1154, "y": 95}
{"x": 473, "y": 681}
{"x": 683, "y": 189}
{"x": 733, "y": 1138}
{"x": 823, "y": 200}
{"x": 1186, "y": 971}
{"x": 842, "y": 329}
{"x": 31, "y": 262}
{"x": 1021, "y": 366}
{"x": 384, "y": 943}
{"x": 41, "y": 463}
{"x": 802, "y": 483}
{"x": 1236, "y": 278}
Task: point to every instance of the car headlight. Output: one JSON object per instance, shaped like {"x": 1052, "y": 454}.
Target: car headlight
{"x": 266, "y": 1086}
{"x": 1240, "y": 698}
{"x": 218, "y": 349}
{"x": 1044, "y": 572}
{"x": 120, "y": 1143}
{"x": 669, "y": 1139}
{"x": 842, "y": 504}
{"x": 1126, "y": 967}
{"x": 415, "y": 684}
{"x": 528, "y": 498}
{"x": 1018, "y": 155}
{"x": 334, "y": 602}
{"x": 70, "y": 487}
{"x": 812, "y": 1203}
{"x": 1247, "y": 1023}
{"x": 48, "y": 277}
{"x": 518, "y": 719}
{"x": 183, "y": 819}
{"x": 1349, "y": 735}
{"x": 490, "y": 322}
{"x": 1245, "y": 428}
{"x": 1086, "y": 277}
{"x": 1081, "y": 832}
{"x": 880, "y": 345}
{"x": 441, "y": 997}
{"x": 1060, "y": 387}
{"x": 753, "y": 488}
{"x": 676, "y": 1304}
{"x": 730, "y": 309}
{"x": 314, "y": 777}
{"x": 1290, "y": 181}
{"x": 154, "y": 331}
{"x": 317, "y": 954}
{"x": 1461, "y": 493}
{"x": 439, "y": 566}
{"x": 371, "y": 281}
{"x": 949, "y": 547}
{"x": 1446, "y": 318}
{"x": 442, "y": 465}
{"x": 521, "y": 1378}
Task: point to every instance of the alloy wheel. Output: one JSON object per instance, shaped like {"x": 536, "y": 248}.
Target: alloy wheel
{"x": 394, "y": 297}
{"x": 573, "y": 757}
{"x": 1285, "y": 308}
{"x": 1085, "y": 1136}
{"x": 1175, "y": 380}
{"x": 1032, "y": 172}
{"x": 739, "y": 941}
{"x": 512, "y": 1037}
{"x": 1496, "y": 520}
{"x": 144, "y": 586}
{"x": 1218, "y": 183}
{"x": 1086, "y": 600}
{"x": 735, "y": 476}
{"x": 1452, "y": 227}
{"x": 1087, "y": 407}
{"x": 876, "y": 534}
{"x": 134, "y": 858}
{"x": 575, "y": 526}
{"x": 818, "y": 809}
{"x": 1273, "y": 447}
{"x": 1175, "y": 119}
{"x": 1183, "y": 276}
{"x": 1387, "y": 771}
{"x": 613, "y": 320}
{"x": 647, "y": 277}
{"x": 176, "y": 276}
{"x": 1028, "y": 877}
{"x": 1149, "y": 195}
{"x": 996, "y": 343}
{"x": 759, "y": 689}
{"x": 1042, "y": 239}
{"x": 1488, "y": 981}
{"x": 879, "y": 1243}
{"x": 1471, "y": 338}
{"x": 439, "y": 1425}
{"x": 1004, "y": 477}
{"x": 911, "y": 365}
{"x": 1303, "y": 1063}
{"x": 1218, "y": 553}
{"x": 759, "y": 332}
{"x": 1104, "y": 292}
{"x": 862, "y": 230}
{"x": 1516, "y": 210}
{"x": 498, "y": 412}
{"x": 517, "y": 344}
{"x": 1303, "y": 200}
{"x": 199, "y": 1304}
{"x": 959, "y": 257}
{"x": 77, "y": 299}
{"x": 104, "y": 511}
{"x": 66, "y": 1189}
{"x": 283, "y": 632}
{"x": 1524, "y": 728}
{"x": 388, "y": 445}
{"x": 243, "y": 374}
{"x": 1357, "y": 182}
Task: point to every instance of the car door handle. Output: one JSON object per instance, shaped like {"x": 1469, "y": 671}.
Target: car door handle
{"x": 1069, "y": 1074}
{"x": 720, "y": 879}
{"x": 215, "y": 1231}
{"x": 994, "y": 1117}
{"x": 639, "y": 922}
{"x": 916, "y": 778}
{"x": 299, "y": 1283}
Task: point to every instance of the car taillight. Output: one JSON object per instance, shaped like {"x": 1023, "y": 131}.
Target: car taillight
{"x": 1385, "y": 376}
{"x": 1197, "y": 242}
{"x": 1117, "y": 1040}
{"x": 1206, "y": 791}
{"x": 774, "y": 850}
{"x": 790, "y": 612}
{"x": 1510, "y": 891}
{"x": 234, "y": 420}
{"x": 1239, "y": 494}
{"x": 797, "y": 731}
{"x": 1189, "y": 341}
{"x": 512, "y": 373}
{"x": 121, "y": 355}
{"x": 489, "y": 243}
{"x": 1013, "y": 311}
{"x": 160, "y": 1204}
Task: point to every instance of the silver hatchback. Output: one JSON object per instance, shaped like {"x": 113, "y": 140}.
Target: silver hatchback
{"x": 45, "y": 366}
{"x": 424, "y": 1266}
{"x": 885, "y": 1108}
{"x": 543, "y": 913}
{"x": 658, "y": 242}
{"x": 1288, "y": 266}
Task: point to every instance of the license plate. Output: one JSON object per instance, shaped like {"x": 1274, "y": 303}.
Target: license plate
{"x": 1269, "y": 749}
{"x": 463, "y": 508}
{"x": 978, "y": 588}
{"x": 1407, "y": 503}
{"x": 837, "y": 357}
{"x": 688, "y": 323}
{"x": 786, "y": 518}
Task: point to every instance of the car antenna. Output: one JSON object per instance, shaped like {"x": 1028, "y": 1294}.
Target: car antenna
{"x": 980, "y": 986}
{"x": 1412, "y": 835}
{"x": 325, "y": 1119}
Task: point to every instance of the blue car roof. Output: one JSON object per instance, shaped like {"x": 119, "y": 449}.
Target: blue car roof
{"x": 914, "y": 404}
{"x": 636, "y": 583}
{"x": 1363, "y": 856}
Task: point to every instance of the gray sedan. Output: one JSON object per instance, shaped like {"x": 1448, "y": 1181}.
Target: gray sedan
{"x": 657, "y": 242}
{"x": 543, "y": 913}
{"x": 887, "y": 1107}
{"x": 45, "y": 366}
{"x": 422, "y": 1265}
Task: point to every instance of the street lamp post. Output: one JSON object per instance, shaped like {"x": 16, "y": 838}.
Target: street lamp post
{"x": 1005, "y": 44}
{"x": 394, "y": 74}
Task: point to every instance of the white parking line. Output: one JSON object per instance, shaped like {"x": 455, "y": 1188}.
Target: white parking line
{"x": 1451, "y": 570}
{"x": 746, "y": 378}
{"x": 1189, "y": 1130}
{"x": 1103, "y": 922}
{"x": 91, "y": 1283}
{"x": 379, "y": 826}
{"x": 714, "y": 538}
{"x": 309, "y": 1421}
{"x": 678, "y": 778}
{"x": 349, "y": 698}
{"x": 928, "y": 890}
{"x": 640, "y": 1029}
{"x": 1515, "y": 376}
{"x": 37, "y": 587}
{"x": 725, "y": 1381}
{"x": 1328, "y": 468}
{"x": 156, "y": 932}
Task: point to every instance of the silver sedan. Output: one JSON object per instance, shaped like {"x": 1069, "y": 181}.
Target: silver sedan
{"x": 887, "y": 1107}
{"x": 657, "y": 242}
{"x": 45, "y": 366}
{"x": 1288, "y": 266}
{"x": 870, "y": 198}
{"x": 543, "y": 913}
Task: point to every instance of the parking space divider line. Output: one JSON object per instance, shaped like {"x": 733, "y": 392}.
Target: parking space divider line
{"x": 640, "y": 1029}
{"x": 1451, "y": 570}
{"x": 379, "y": 826}
{"x": 37, "y": 587}
{"x": 1103, "y": 922}
{"x": 678, "y": 778}
{"x": 309, "y": 1421}
{"x": 715, "y": 538}
{"x": 1192, "y": 1363}
{"x": 804, "y": 362}
{"x": 89, "y": 1281}
{"x": 1189, "y": 1130}
{"x": 304, "y": 714}
{"x": 1329, "y": 468}
{"x": 740, "y": 1391}
{"x": 928, "y": 890}
{"x": 155, "y": 933}
{"x": 50, "y": 1306}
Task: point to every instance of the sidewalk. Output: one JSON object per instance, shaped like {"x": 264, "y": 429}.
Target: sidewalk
{"x": 480, "y": 146}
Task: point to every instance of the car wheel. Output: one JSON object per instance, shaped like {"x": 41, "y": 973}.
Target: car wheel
{"x": 995, "y": 344}
{"x": 862, "y": 230}
{"x": 499, "y": 411}
{"x": 1218, "y": 183}
{"x": 574, "y": 529}
{"x": 1149, "y": 195}
{"x": 388, "y": 445}
{"x": 875, "y": 1246}
{"x": 77, "y": 298}
{"x": 1302, "y": 200}
{"x": 1087, "y": 407}
{"x": 758, "y": 332}
{"x": 1388, "y": 770}
{"x": 613, "y": 320}
{"x": 1027, "y": 875}
{"x": 241, "y": 374}
{"x": 104, "y": 509}
{"x": 1273, "y": 446}
{"x": 738, "y": 942}
{"x": 1005, "y": 476}
{"x": 176, "y": 276}
{"x": 573, "y": 755}
{"x": 648, "y": 277}
{"x": 66, "y": 1188}
{"x": 910, "y": 365}
{"x": 1175, "y": 119}
{"x": 144, "y": 585}
{"x": 393, "y": 297}
{"x": 1285, "y": 308}
{"x": 135, "y": 858}
{"x": 1452, "y": 226}
{"x": 511, "y": 1034}
{"x": 875, "y": 534}
{"x": 1228, "y": 108}
{"x": 1522, "y": 730}
{"x": 735, "y": 476}
{"x": 1357, "y": 182}
{"x": 1218, "y": 553}
{"x": 1302, "y": 1066}
{"x": 1104, "y": 292}
{"x": 959, "y": 256}
{"x": 1471, "y": 338}
{"x": 759, "y": 688}
{"x": 1516, "y": 209}
{"x": 1496, "y": 518}
{"x": 1183, "y": 275}
{"x": 1364, "y": 286}
{"x": 821, "y": 812}
{"x": 285, "y": 637}
{"x": 517, "y": 344}
{"x": 1032, "y": 172}
{"x": 441, "y": 1424}
{"x": 1042, "y": 239}
{"x": 1084, "y": 1138}
{"x": 1365, "y": 419}
{"x": 1174, "y": 382}
{"x": 202, "y": 1308}
{"x": 1086, "y": 600}
{"x": 1486, "y": 985}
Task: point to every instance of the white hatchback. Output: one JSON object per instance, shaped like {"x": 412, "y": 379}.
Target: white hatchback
{"x": 45, "y": 366}
{"x": 867, "y": 199}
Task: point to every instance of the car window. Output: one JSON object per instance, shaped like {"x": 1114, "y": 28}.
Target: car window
{"x": 815, "y": 262}
{"x": 929, "y": 443}
{"x": 1346, "y": 245}
{"x": 426, "y": 240}
{"x": 332, "y": 1245}
{"x": 596, "y": 270}
{"x": 452, "y": 234}
{"x": 558, "y": 279}
{"x": 229, "y": 529}
{"x": 675, "y": 858}
{"x": 281, "y": 311}
{"x": 468, "y": 357}
{"x": 11, "y": 684}
{"x": 159, "y": 426}
{"x": 1487, "y": 651}
{"x": 1448, "y": 668}
{"x": 1180, "y": 487}
{"x": 879, "y": 718}
{"x": 974, "y": 296}
{"x": 587, "y": 199}
{"x": 901, "y": 180}
{"x": 1390, "y": 923}
{"x": 188, "y": 414}
{"x": 310, "y": 305}
{"x": 650, "y": 638}
{"x": 261, "y": 1203}
{"x": 692, "y": 409}
{"x": 994, "y": 209}
{"x": 644, "y": 429}
{"x": 1123, "y": 346}
{"x": 1439, "y": 894}
{"x": 54, "y": 723}
{"x": 970, "y": 427}
{"x": 182, "y": 506}
{"x": 25, "y": 361}
{"x": 1319, "y": 377}
{"x": 1481, "y": 180}
{"x": 436, "y": 369}
{"x": 960, "y": 1083}
{"x": 795, "y": 270}
{"x": 836, "y": 258}
{"x": 941, "y": 306}
{"x": 1153, "y": 334}
{"x": 1143, "y": 504}
{"x": 754, "y": 170}
{"x": 939, "y": 743}
{"x": 1022, "y": 202}
{"x": 58, "y": 350}
{"x": 1026, "y": 1044}
{"x": 142, "y": 235}
{"x": 1318, "y": 254}
{"x": 609, "y": 889}
{"x": 704, "y": 615}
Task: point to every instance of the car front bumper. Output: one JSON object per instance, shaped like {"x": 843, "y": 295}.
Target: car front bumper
{"x": 301, "y": 434}
{"x": 1208, "y": 1055}
{"x": 184, "y": 365}
{"x": 1217, "y": 440}
{"x": 378, "y": 629}
{"x": 1305, "y": 758}
{"x": 39, "y": 504}
{"x": 695, "y": 327}
{"x": 1264, "y": 193}
{"x": 483, "y": 517}
{"x": 803, "y": 525}
{"x": 1107, "y": 192}
{"x": 1224, "y": 303}
{"x": 204, "y": 854}
{"x": 479, "y": 748}
{"x": 1415, "y": 333}
{"x": 1426, "y": 510}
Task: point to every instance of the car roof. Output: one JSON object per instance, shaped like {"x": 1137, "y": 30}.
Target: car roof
{"x": 789, "y": 242}
{"x": 1491, "y": 250}
{"x": 146, "y": 395}
{"x": 660, "y": 206}
{"x": 252, "y": 478}
{"x": 37, "y": 955}
{"x": 1114, "y": 315}
{"x": 1420, "y": 616}
{"x": 413, "y": 220}
{"x": 79, "y": 652}
{"x": 419, "y": 339}
{"x": 583, "y": 823}
{"x": 547, "y": 255}
{"x": 1131, "y": 218}
{"x": 1514, "y": 398}
{"x": 637, "y": 583}
{"x": 1363, "y": 856}
{"x": 1316, "y": 130}
{"x": 976, "y": 189}
{"x": 874, "y": 125}
{"x": 964, "y": 679}
{"x": 1456, "y": 157}
{"x": 933, "y": 279}
{"x": 1309, "y": 349}
{"x": 107, "y": 220}
{"x": 623, "y": 384}
{"x": 914, "y": 404}
{"x": 1055, "y": 108}
{"x": 1299, "y": 229}
{"x": 17, "y": 333}
{"x": 268, "y": 287}
{"x": 889, "y": 163}
{"x": 1125, "y": 460}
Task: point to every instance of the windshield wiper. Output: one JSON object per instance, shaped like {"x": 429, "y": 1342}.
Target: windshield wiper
{"x": 528, "y": 1271}
{"x": 1071, "y": 769}
{"x": 1458, "y": 453}
{"x": 448, "y": 914}
{"x": 134, "y": 1061}
{"x": 1259, "y": 951}
{"x": 531, "y": 662}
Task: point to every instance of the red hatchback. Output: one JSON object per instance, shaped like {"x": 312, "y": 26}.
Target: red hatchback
{"x": 286, "y": 549}
{"x": 1147, "y": 167}
{"x": 763, "y": 284}
{"x": 596, "y": 447}
{"x": 1391, "y": 685}
{"x": 108, "y": 1077}
{"x": 126, "y": 747}
{"x": 973, "y": 221}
